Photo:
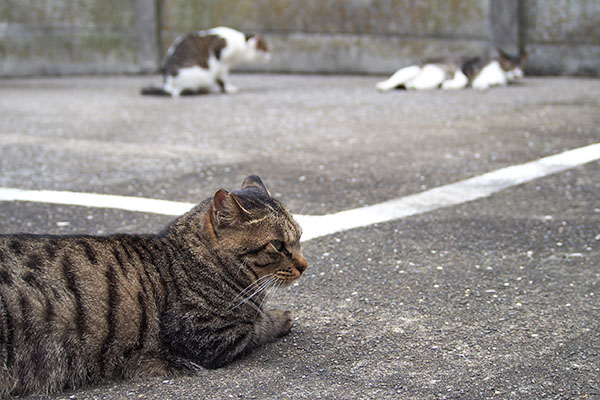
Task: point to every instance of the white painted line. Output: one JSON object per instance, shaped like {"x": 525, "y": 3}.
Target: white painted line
{"x": 447, "y": 195}
{"x": 315, "y": 226}
{"x": 139, "y": 204}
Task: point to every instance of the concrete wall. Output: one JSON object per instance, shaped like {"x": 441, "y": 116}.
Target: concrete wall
{"x": 562, "y": 36}
{"x": 47, "y": 37}
{"x": 331, "y": 36}
{"x": 358, "y": 36}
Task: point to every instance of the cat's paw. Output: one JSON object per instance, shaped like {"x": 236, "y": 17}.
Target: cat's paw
{"x": 383, "y": 86}
{"x": 229, "y": 88}
{"x": 282, "y": 321}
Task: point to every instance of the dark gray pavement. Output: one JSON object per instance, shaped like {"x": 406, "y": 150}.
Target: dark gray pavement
{"x": 496, "y": 298}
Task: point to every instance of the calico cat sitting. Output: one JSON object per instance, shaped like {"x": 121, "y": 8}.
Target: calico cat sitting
{"x": 198, "y": 61}
{"x": 474, "y": 72}
{"x": 80, "y": 310}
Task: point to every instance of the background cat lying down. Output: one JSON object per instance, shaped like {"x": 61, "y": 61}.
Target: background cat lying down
{"x": 475, "y": 72}
{"x": 78, "y": 310}
{"x": 200, "y": 61}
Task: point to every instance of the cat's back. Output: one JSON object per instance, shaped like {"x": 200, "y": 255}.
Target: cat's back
{"x": 81, "y": 268}
{"x": 43, "y": 253}
{"x": 200, "y": 43}
{"x": 234, "y": 41}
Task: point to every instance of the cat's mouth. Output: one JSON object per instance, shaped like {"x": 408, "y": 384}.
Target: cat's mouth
{"x": 283, "y": 283}
{"x": 287, "y": 280}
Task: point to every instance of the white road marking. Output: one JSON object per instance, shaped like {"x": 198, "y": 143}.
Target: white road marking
{"x": 447, "y": 195}
{"x": 128, "y": 203}
{"x": 315, "y": 226}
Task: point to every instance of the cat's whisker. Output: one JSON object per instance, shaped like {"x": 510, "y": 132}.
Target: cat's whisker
{"x": 262, "y": 289}
{"x": 258, "y": 286}
{"x": 303, "y": 208}
{"x": 269, "y": 292}
{"x": 242, "y": 265}
{"x": 249, "y": 288}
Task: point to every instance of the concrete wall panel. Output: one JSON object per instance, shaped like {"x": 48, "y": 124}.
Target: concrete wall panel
{"x": 40, "y": 37}
{"x": 77, "y": 36}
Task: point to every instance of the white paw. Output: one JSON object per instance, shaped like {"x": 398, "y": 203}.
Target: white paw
{"x": 383, "y": 86}
{"x": 480, "y": 86}
{"x": 229, "y": 88}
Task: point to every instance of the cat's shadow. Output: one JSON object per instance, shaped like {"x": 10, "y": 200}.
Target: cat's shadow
{"x": 208, "y": 92}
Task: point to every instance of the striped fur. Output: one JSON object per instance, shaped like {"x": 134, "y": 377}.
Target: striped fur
{"x": 80, "y": 310}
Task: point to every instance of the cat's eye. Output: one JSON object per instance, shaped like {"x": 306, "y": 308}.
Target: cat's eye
{"x": 277, "y": 245}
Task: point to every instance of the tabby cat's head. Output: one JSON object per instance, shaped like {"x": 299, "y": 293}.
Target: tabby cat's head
{"x": 258, "y": 230}
{"x": 512, "y": 65}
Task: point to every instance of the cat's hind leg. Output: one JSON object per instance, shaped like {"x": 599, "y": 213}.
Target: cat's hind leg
{"x": 192, "y": 79}
{"x": 430, "y": 77}
{"x": 458, "y": 81}
{"x": 170, "y": 86}
{"x": 399, "y": 78}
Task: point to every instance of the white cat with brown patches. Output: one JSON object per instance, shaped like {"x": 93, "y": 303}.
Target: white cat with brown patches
{"x": 200, "y": 61}
{"x": 475, "y": 72}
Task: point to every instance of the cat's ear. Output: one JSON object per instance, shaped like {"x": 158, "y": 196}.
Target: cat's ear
{"x": 257, "y": 41}
{"x": 523, "y": 57}
{"x": 260, "y": 43}
{"x": 227, "y": 209}
{"x": 503, "y": 54}
{"x": 254, "y": 181}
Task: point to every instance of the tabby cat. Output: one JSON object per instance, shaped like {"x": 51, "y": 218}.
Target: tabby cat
{"x": 476, "y": 72}
{"x": 80, "y": 310}
{"x": 198, "y": 61}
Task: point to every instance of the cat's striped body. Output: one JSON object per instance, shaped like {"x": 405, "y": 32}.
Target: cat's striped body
{"x": 78, "y": 310}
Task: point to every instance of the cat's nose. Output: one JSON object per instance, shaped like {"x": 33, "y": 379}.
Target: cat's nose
{"x": 301, "y": 264}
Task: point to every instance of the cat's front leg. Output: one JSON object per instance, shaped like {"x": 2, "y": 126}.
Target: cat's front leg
{"x": 274, "y": 324}
{"x": 213, "y": 343}
{"x": 227, "y": 87}
{"x": 223, "y": 81}
{"x": 270, "y": 325}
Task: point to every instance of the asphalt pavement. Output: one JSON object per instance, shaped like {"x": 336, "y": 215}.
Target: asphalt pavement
{"x": 496, "y": 298}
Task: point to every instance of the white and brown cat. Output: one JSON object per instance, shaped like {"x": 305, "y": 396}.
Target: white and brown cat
{"x": 200, "y": 61}
{"x": 475, "y": 72}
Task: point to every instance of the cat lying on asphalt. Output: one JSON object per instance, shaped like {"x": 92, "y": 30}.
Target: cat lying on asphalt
{"x": 475, "y": 72}
{"x": 79, "y": 310}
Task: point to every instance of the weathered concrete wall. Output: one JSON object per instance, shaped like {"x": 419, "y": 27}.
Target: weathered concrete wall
{"x": 562, "y": 36}
{"x": 377, "y": 36}
{"x": 331, "y": 36}
{"x": 372, "y": 36}
{"x": 48, "y": 37}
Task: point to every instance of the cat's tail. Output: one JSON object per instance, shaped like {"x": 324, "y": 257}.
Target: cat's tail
{"x": 154, "y": 91}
